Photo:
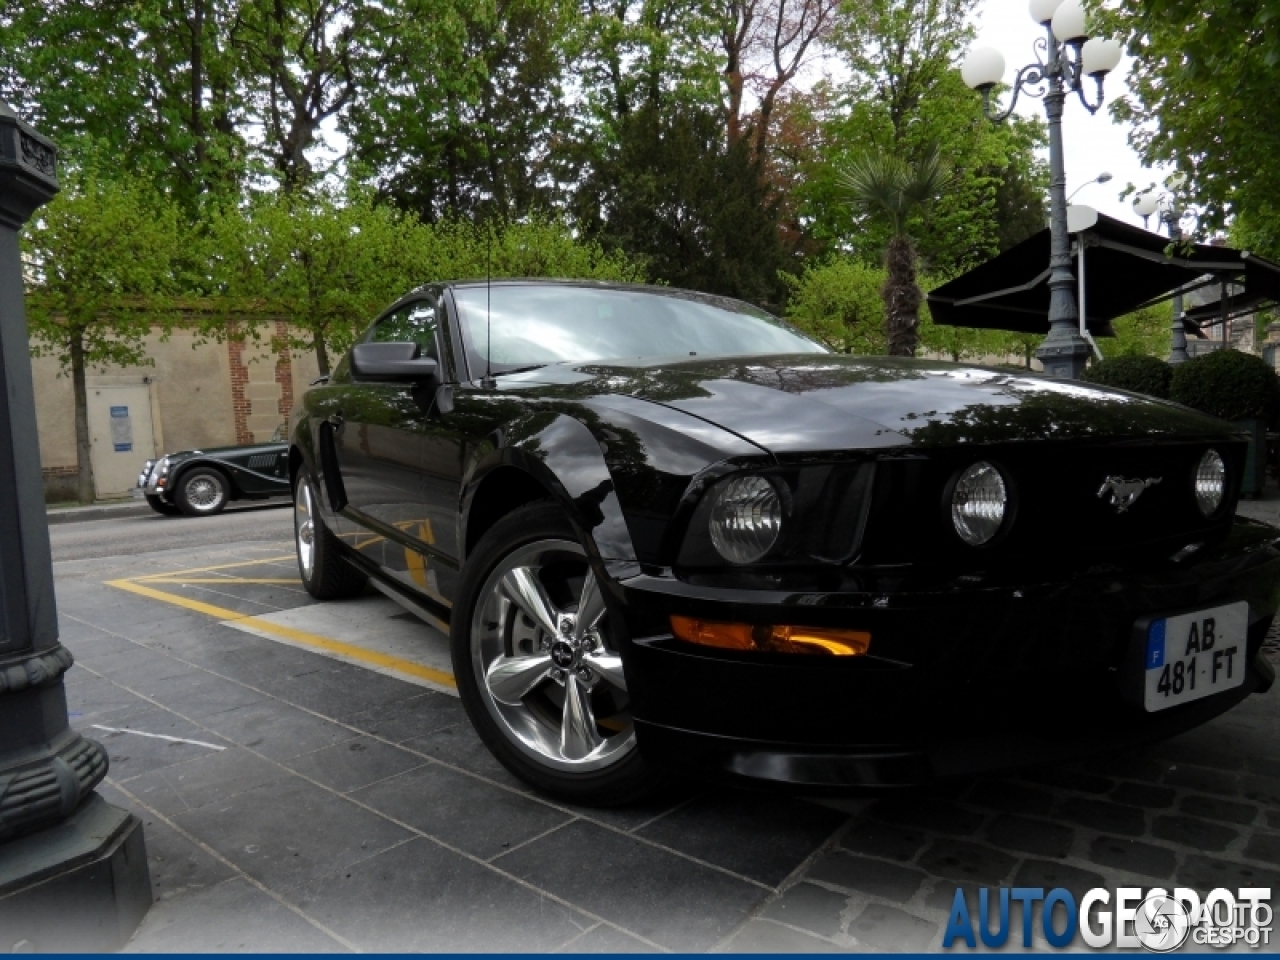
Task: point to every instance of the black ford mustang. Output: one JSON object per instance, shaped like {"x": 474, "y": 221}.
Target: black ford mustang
{"x": 665, "y": 530}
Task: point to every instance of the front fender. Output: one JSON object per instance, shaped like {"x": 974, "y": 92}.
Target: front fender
{"x": 560, "y": 453}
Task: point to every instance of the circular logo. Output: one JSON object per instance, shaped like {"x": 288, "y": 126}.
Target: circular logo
{"x": 562, "y": 654}
{"x": 1161, "y": 924}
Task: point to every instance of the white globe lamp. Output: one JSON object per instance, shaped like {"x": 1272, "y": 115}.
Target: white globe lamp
{"x": 1145, "y": 204}
{"x": 983, "y": 68}
{"x": 1042, "y": 10}
{"x": 1068, "y": 22}
{"x": 1099, "y": 57}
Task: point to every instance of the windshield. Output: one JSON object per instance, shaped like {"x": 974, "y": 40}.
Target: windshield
{"x": 536, "y": 324}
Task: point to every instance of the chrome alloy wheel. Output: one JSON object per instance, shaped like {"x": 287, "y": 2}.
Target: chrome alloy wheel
{"x": 304, "y": 526}
{"x": 204, "y": 492}
{"x": 542, "y": 660}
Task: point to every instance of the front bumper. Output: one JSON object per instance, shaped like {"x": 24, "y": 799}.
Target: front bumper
{"x": 152, "y": 479}
{"x": 964, "y": 677}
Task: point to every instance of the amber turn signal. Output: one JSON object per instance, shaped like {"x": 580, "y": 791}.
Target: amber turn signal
{"x": 765, "y": 638}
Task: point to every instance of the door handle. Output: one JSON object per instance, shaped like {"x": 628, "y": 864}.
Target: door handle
{"x": 335, "y": 420}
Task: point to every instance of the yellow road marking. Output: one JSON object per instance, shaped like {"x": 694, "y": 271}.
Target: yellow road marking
{"x": 300, "y": 637}
{"x": 220, "y": 566}
{"x": 225, "y": 581}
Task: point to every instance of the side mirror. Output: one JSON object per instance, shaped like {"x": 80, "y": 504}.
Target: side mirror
{"x": 391, "y": 361}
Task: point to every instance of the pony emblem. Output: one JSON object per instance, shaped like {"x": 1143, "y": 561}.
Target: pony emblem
{"x": 1125, "y": 492}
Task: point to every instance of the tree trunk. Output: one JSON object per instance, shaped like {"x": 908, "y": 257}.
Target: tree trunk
{"x": 902, "y": 297}
{"x": 322, "y": 354}
{"x": 84, "y": 461}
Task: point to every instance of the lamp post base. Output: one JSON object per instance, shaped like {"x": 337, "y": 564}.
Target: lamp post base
{"x": 1064, "y": 356}
{"x": 79, "y": 886}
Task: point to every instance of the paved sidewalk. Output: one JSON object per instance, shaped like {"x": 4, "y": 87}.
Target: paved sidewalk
{"x": 294, "y": 801}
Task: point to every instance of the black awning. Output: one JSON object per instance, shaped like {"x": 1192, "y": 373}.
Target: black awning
{"x": 1126, "y": 268}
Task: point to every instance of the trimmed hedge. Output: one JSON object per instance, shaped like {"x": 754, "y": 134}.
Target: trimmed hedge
{"x": 1140, "y": 374}
{"x": 1228, "y": 384}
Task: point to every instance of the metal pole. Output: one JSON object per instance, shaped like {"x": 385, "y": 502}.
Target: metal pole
{"x": 1177, "y": 333}
{"x": 73, "y": 869}
{"x": 1063, "y": 352}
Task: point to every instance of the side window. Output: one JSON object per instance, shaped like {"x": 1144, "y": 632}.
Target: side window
{"x": 414, "y": 323}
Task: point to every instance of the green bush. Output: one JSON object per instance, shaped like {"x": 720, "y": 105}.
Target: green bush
{"x": 1228, "y": 384}
{"x": 1140, "y": 374}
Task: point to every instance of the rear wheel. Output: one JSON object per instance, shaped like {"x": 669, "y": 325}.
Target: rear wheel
{"x": 202, "y": 492}
{"x": 326, "y": 573}
{"x": 162, "y": 506}
{"x": 537, "y": 665}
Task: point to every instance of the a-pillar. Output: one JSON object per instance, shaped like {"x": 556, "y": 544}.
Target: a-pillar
{"x": 73, "y": 868}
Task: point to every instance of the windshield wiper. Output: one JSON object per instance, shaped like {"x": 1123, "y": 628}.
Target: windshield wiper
{"x": 503, "y": 373}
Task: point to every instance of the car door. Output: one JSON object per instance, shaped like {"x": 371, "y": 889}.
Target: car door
{"x": 382, "y": 450}
{"x": 423, "y": 552}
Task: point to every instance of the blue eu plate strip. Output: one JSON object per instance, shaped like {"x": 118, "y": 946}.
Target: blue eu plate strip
{"x": 1155, "y": 645}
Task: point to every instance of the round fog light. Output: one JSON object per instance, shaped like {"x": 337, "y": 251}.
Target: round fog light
{"x": 978, "y": 503}
{"x": 746, "y": 518}
{"x": 1211, "y": 482}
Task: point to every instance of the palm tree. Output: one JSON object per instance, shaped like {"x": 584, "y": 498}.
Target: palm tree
{"x": 885, "y": 185}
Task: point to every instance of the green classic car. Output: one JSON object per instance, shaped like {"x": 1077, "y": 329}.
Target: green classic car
{"x": 201, "y": 483}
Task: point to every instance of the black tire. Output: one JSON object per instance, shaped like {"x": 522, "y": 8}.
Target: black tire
{"x": 626, "y": 778}
{"x": 162, "y": 506}
{"x": 329, "y": 575}
{"x": 202, "y": 492}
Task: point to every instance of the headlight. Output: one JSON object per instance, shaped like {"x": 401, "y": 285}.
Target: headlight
{"x": 746, "y": 518}
{"x": 1211, "y": 482}
{"x": 978, "y": 503}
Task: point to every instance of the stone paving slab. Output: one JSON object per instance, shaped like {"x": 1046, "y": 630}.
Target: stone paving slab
{"x": 306, "y": 804}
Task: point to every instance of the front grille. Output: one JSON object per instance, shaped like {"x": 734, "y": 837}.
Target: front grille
{"x": 1057, "y": 514}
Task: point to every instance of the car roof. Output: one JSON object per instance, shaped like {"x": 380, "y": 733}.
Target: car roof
{"x": 711, "y": 299}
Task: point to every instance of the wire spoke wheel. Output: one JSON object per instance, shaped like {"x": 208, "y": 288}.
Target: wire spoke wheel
{"x": 543, "y": 662}
{"x": 204, "y": 492}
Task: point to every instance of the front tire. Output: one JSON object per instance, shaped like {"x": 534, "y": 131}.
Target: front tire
{"x": 536, "y": 663}
{"x": 326, "y": 574}
{"x": 203, "y": 492}
{"x": 162, "y": 506}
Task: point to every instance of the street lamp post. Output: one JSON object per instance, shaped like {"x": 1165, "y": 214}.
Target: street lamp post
{"x": 1064, "y": 57}
{"x": 1171, "y": 210}
{"x": 73, "y": 868}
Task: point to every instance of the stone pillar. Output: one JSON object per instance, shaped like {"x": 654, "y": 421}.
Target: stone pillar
{"x": 73, "y": 869}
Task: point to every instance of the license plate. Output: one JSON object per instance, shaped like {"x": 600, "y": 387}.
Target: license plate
{"x": 1195, "y": 655}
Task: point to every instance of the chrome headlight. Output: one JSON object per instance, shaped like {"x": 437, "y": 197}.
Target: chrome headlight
{"x": 746, "y": 518}
{"x": 978, "y": 503}
{"x": 1211, "y": 482}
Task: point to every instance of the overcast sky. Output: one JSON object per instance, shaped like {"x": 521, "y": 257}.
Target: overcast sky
{"x": 1093, "y": 143}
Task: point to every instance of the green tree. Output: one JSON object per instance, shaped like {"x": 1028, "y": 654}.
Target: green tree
{"x": 151, "y": 83}
{"x": 887, "y": 187}
{"x": 473, "y": 109}
{"x": 839, "y": 303}
{"x": 1143, "y": 332}
{"x": 696, "y": 209}
{"x": 1202, "y": 78}
{"x": 325, "y": 262}
{"x": 904, "y": 96}
{"x": 103, "y": 256}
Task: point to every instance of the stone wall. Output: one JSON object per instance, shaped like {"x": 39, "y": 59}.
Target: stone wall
{"x": 203, "y": 395}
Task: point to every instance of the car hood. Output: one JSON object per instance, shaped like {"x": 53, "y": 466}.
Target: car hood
{"x": 814, "y": 402}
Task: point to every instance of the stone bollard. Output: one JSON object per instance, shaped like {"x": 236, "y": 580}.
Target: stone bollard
{"x": 73, "y": 868}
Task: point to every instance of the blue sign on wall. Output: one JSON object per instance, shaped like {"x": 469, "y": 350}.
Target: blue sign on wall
{"x": 121, "y": 430}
